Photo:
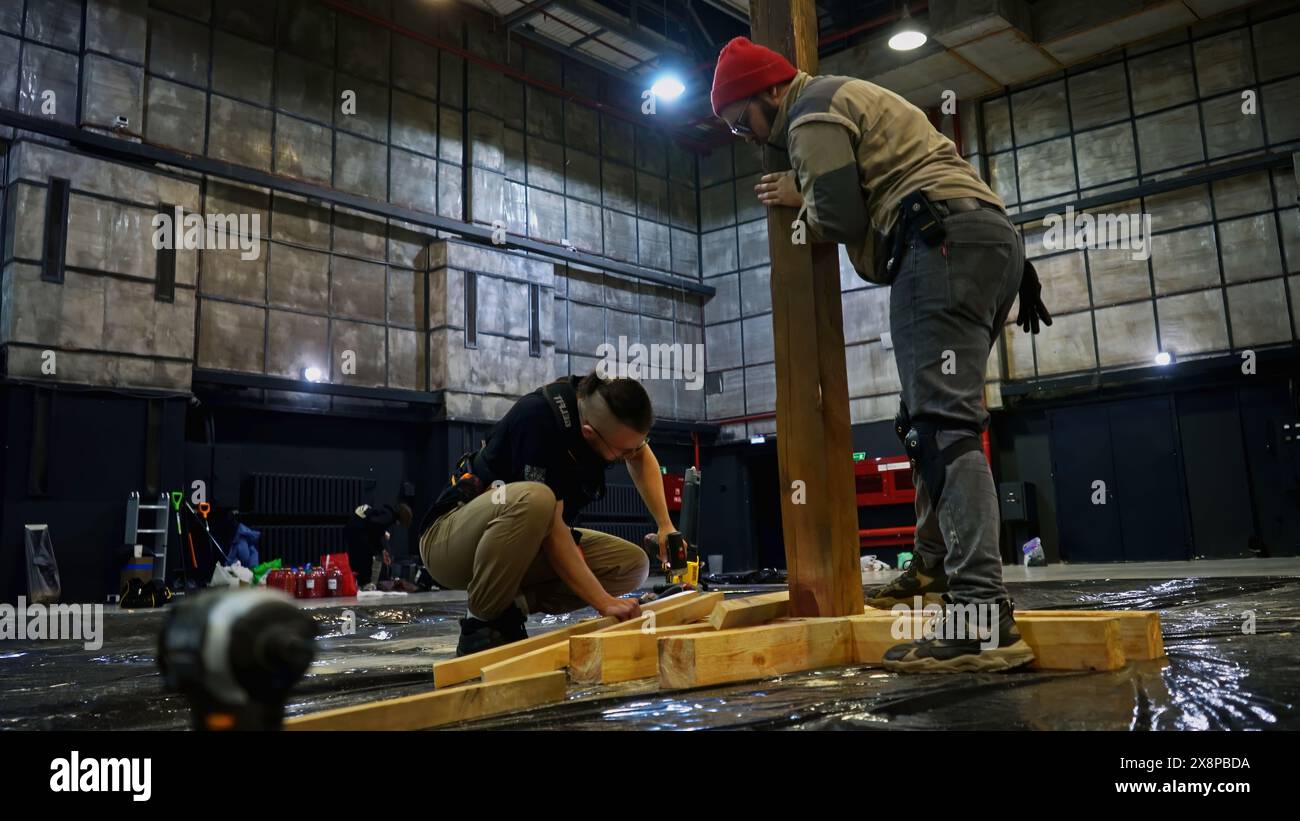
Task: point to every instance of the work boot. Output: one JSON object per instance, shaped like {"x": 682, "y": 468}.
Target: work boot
{"x": 917, "y": 580}
{"x": 477, "y": 635}
{"x": 952, "y": 643}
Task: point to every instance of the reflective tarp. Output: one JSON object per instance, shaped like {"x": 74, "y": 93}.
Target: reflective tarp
{"x": 1217, "y": 674}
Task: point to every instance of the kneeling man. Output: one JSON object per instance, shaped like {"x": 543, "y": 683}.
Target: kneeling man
{"x": 513, "y": 546}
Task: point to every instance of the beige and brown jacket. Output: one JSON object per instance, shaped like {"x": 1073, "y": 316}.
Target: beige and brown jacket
{"x": 857, "y": 149}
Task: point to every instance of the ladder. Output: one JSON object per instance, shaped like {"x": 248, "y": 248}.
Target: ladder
{"x": 161, "y": 518}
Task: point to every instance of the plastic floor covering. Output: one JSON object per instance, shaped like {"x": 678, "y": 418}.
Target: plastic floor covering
{"x": 1215, "y": 676}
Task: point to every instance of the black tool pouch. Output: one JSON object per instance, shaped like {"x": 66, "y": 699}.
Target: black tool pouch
{"x": 902, "y": 422}
{"x": 917, "y": 217}
{"x": 923, "y": 218}
{"x": 882, "y": 258}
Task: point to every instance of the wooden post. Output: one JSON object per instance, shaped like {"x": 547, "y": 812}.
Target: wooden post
{"x": 814, "y": 443}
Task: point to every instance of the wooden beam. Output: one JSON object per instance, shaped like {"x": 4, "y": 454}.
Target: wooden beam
{"x": 683, "y": 612}
{"x": 605, "y": 658}
{"x": 1058, "y": 642}
{"x": 749, "y": 611}
{"x": 555, "y": 656}
{"x": 814, "y": 442}
{"x": 462, "y": 669}
{"x": 717, "y": 657}
{"x": 1139, "y": 630}
{"x": 440, "y": 707}
{"x": 1074, "y": 642}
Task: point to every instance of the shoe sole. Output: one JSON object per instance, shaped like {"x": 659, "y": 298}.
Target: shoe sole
{"x": 462, "y": 654}
{"x": 888, "y": 603}
{"x": 986, "y": 661}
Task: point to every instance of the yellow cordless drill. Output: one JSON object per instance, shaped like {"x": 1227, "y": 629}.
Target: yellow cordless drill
{"x": 683, "y": 568}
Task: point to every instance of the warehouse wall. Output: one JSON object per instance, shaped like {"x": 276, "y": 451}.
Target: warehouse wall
{"x": 259, "y": 84}
{"x": 1222, "y": 272}
{"x": 1217, "y": 277}
{"x": 265, "y": 86}
{"x": 557, "y": 170}
{"x": 104, "y": 322}
{"x": 738, "y": 319}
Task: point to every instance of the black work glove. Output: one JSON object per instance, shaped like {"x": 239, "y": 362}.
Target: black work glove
{"x": 1032, "y": 310}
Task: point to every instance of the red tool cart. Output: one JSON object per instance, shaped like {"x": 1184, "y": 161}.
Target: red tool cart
{"x": 885, "y": 498}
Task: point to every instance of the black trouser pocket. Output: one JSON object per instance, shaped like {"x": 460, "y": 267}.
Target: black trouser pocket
{"x": 976, "y": 272}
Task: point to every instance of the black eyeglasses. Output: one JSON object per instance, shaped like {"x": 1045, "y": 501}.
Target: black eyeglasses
{"x": 622, "y": 454}
{"x": 738, "y": 128}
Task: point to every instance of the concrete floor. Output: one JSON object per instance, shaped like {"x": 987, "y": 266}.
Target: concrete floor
{"x": 1203, "y": 569}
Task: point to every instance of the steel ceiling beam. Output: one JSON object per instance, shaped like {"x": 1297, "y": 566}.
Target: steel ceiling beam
{"x": 518, "y": 16}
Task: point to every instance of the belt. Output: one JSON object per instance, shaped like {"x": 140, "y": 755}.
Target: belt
{"x": 959, "y": 204}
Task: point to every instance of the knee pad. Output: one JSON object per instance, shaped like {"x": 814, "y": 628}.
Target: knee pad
{"x": 931, "y": 460}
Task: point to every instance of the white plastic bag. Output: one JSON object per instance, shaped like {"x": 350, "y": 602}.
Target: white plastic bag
{"x": 243, "y": 575}
{"x": 222, "y": 577}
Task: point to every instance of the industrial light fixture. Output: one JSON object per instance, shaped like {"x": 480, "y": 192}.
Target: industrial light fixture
{"x": 907, "y": 34}
{"x": 1164, "y": 358}
{"x": 313, "y": 374}
{"x": 667, "y": 87}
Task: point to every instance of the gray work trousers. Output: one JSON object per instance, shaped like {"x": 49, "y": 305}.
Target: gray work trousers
{"x": 947, "y": 306}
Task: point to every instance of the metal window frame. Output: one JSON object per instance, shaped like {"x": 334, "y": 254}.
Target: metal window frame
{"x": 1214, "y": 169}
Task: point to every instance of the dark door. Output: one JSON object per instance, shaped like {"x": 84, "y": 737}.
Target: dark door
{"x": 1273, "y": 457}
{"x": 1088, "y": 517}
{"x": 1218, "y": 484}
{"x": 1148, "y": 480}
{"x": 765, "y": 505}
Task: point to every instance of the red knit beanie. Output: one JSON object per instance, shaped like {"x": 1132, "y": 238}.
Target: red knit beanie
{"x": 744, "y": 69}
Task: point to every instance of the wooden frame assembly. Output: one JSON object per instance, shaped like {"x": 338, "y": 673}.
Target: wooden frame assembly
{"x": 698, "y": 640}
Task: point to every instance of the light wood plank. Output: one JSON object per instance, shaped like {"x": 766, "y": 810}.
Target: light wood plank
{"x": 1139, "y": 630}
{"x": 1059, "y": 642}
{"x": 462, "y": 669}
{"x": 1074, "y": 642}
{"x": 683, "y": 612}
{"x": 749, "y": 611}
{"x": 1140, "y": 633}
{"x": 722, "y": 656}
{"x": 439, "y": 707}
{"x": 606, "y": 658}
{"x": 458, "y": 670}
{"x": 555, "y": 656}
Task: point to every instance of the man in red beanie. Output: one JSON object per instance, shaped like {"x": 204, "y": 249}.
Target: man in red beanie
{"x": 871, "y": 172}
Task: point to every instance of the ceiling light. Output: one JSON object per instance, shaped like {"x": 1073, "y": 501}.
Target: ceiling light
{"x": 667, "y": 87}
{"x": 907, "y": 34}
